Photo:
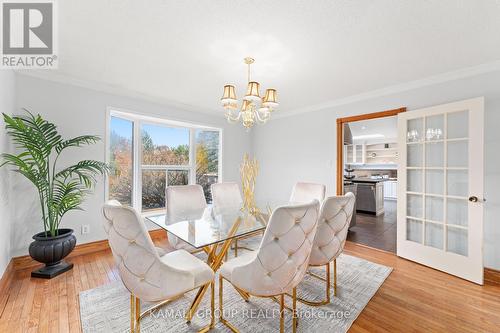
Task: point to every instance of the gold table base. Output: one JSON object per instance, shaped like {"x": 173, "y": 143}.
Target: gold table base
{"x": 215, "y": 260}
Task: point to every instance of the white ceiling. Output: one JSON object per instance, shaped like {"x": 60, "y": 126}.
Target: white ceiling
{"x": 313, "y": 52}
{"x": 386, "y": 127}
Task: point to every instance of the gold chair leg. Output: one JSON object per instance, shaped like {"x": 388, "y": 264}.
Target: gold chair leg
{"x": 334, "y": 277}
{"x": 221, "y": 309}
{"x": 294, "y": 307}
{"x": 132, "y": 313}
{"x": 220, "y": 298}
{"x": 236, "y": 247}
{"x": 243, "y": 294}
{"x": 277, "y": 300}
{"x": 282, "y": 313}
{"x": 137, "y": 315}
{"x": 327, "y": 282}
{"x": 212, "y": 305}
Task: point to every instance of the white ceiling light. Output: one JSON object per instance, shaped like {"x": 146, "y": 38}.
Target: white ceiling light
{"x": 368, "y": 136}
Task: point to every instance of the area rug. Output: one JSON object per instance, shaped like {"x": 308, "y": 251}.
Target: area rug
{"x": 107, "y": 308}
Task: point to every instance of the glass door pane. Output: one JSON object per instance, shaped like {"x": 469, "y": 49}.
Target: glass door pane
{"x": 458, "y": 125}
{"x": 434, "y": 128}
{"x": 414, "y": 181}
{"x": 414, "y": 155}
{"x": 434, "y": 235}
{"x": 457, "y": 241}
{"x": 458, "y": 154}
{"x": 414, "y": 230}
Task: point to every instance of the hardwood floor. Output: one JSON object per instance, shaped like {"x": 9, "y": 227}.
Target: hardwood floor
{"x": 414, "y": 298}
{"x": 376, "y": 231}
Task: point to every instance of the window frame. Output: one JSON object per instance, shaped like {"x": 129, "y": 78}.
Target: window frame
{"x": 138, "y": 119}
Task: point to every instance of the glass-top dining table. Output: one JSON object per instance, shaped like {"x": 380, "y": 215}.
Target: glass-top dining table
{"x": 212, "y": 231}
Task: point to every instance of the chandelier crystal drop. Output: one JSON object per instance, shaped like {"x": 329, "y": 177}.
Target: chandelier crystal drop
{"x": 254, "y": 108}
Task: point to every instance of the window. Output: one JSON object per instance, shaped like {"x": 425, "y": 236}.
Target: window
{"x": 148, "y": 154}
{"x": 207, "y": 160}
{"x": 120, "y": 159}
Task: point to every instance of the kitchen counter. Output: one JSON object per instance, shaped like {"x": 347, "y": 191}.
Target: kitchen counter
{"x": 370, "y": 180}
{"x": 370, "y": 195}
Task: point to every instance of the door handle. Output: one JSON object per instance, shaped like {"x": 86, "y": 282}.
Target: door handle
{"x": 475, "y": 199}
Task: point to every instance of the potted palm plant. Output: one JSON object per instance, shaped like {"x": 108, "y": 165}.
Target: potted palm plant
{"x": 60, "y": 190}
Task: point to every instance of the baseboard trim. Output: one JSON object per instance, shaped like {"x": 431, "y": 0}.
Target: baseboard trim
{"x": 7, "y": 277}
{"x": 26, "y": 262}
{"x": 491, "y": 276}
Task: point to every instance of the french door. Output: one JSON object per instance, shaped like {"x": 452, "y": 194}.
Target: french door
{"x": 440, "y": 194}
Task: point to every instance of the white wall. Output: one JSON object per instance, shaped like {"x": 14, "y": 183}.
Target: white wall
{"x": 7, "y": 100}
{"x": 76, "y": 111}
{"x": 303, "y": 146}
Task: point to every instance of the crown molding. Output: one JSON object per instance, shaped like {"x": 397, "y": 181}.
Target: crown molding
{"x": 420, "y": 83}
{"x": 113, "y": 90}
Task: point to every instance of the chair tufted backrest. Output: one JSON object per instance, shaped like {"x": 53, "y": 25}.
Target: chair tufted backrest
{"x": 305, "y": 192}
{"x": 226, "y": 196}
{"x": 335, "y": 216}
{"x": 141, "y": 269}
{"x": 283, "y": 255}
{"x": 185, "y": 202}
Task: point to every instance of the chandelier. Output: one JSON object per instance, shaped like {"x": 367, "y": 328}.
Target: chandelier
{"x": 254, "y": 109}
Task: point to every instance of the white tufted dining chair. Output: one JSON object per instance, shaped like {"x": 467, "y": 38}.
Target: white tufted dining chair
{"x": 184, "y": 202}
{"x": 333, "y": 224}
{"x": 305, "y": 192}
{"x": 226, "y": 196}
{"x": 280, "y": 263}
{"x": 147, "y": 275}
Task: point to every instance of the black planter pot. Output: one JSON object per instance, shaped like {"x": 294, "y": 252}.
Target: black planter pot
{"x": 51, "y": 251}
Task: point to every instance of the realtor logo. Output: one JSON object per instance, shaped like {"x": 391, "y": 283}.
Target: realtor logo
{"x": 28, "y": 35}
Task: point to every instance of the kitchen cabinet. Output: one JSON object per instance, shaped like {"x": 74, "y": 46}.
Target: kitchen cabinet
{"x": 371, "y": 153}
{"x": 355, "y": 154}
{"x": 391, "y": 190}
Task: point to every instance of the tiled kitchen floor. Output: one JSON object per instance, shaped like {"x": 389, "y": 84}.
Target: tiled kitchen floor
{"x": 376, "y": 231}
